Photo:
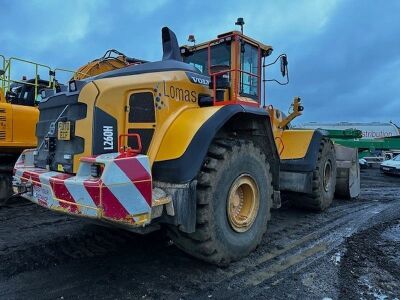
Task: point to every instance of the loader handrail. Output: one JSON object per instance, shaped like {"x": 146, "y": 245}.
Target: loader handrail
{"x": 238, "y": 72}
{"x": 8, "y": 80}
{"x": 128, "y": 151}
{"x": 283, "y": 145}
{"x": 6, "y": 75}
{"x": 54, "y": 72}
{"x": 2, "y": 72}
{"x": 236, "y": 94}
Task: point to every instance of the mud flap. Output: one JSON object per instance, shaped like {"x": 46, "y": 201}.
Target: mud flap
{"x": 348, "y": 172}
{"x": 184, "y": 204}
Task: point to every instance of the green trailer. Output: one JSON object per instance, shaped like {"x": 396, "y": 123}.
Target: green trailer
{"x": 386, "y": 146}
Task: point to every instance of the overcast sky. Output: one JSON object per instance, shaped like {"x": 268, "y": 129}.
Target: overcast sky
{"x": 344, "y": 55}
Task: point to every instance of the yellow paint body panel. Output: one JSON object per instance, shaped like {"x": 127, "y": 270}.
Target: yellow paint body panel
{"x": 176, "y": 120}
{"x": 295, "y": 143}
{"x": 17, "y": 127}
{"x": 2, "y": 97}
{"x": 112, "y": 95}
{"x": 83, "y": 129}
{"x": 291, "y": 143}
{"x": 182, "y": 131}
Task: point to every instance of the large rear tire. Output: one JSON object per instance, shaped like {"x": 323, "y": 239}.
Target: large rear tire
{"x": 5, "y": 186}
{"x": 234, "y": 197}
{"x": 324, "y": 180}
{"x": 7, "y": 162}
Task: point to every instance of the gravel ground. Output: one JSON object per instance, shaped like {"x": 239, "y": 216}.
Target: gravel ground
{"x": 351, "y": 251}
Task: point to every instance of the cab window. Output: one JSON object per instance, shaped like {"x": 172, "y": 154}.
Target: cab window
{"x": 220, "y": 56}
{"x": 249, "y": 63}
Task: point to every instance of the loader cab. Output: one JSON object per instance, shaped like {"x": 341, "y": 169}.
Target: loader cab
{"x": 233, "y": 62}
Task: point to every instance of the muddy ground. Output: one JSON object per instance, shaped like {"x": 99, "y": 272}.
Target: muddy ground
{"x": 351, "y": 251}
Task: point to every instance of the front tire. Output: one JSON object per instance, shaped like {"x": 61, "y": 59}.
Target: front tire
{"x": 234, "y": 197}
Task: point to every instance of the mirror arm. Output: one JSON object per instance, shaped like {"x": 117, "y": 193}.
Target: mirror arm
{"x": 279, "y": 82}
{"x": 274, "y": 62}
{"x": 275, "y": 80}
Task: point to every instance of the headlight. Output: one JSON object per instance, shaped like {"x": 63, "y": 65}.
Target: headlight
{"x": 72, "y": 86}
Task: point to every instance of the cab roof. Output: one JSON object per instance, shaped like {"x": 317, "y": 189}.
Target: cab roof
{"x": 264, "y": 47}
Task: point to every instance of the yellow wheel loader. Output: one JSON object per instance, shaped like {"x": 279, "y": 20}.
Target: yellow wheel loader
{"x": 186, "y": 142}
{"x": 19, "y": 99}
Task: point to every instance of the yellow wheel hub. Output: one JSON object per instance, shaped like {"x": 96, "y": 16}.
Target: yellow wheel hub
{"x": 243, "y": 203}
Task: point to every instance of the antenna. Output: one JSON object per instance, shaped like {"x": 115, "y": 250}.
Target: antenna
{"x": 240, "y": 22}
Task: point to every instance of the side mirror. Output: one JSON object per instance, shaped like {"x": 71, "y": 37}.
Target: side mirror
{"x": 284, "y": 69}
{"x": 284, "y": 64}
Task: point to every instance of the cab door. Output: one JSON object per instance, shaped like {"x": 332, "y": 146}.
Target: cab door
{"x": 249, "y": 64}
{"x": 141, "y": 118}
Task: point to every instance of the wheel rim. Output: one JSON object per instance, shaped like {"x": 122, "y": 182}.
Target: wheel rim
{"x": 327, "y": 176}
{"x": 243, "y": 203}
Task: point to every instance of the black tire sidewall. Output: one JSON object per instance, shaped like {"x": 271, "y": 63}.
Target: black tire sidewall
{"x": 241, "y": 163}
{"x": 327, "y": 155}
{"x": 5, "y": 187}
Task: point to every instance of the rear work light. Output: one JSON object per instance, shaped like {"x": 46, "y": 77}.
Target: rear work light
{"x": 72, "y": 86}
{"x": 96, "y": 170}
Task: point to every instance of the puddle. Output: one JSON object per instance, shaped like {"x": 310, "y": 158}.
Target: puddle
{"x": 392, "y": 233}
{"x": 372, "y": 291}
{"x": 337, "y": 257}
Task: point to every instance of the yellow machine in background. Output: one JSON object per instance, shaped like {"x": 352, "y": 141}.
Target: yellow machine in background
{"x": 187, "y": 142}
{"x": 19, "y": 99}
{"x": 111, "y": 60}
{"x": 18, "y": 117}
{"x": 294, "y": 142}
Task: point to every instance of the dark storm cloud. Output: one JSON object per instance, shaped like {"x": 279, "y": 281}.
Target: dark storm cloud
{"x": 343, "y": 55}
{"x": 350, "y": 70}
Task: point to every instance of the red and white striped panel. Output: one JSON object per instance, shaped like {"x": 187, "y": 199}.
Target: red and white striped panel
{"x": 123, "y": 193}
